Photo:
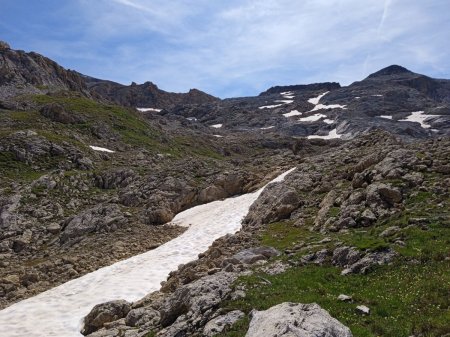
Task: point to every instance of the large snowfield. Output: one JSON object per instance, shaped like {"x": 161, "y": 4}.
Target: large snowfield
{"x": 59, "y": 311}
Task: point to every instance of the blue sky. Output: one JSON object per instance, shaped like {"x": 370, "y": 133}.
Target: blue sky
{"x": 234, "y": 47}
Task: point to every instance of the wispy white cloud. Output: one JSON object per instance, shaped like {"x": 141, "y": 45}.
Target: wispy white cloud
{"x": 244, "y": 46}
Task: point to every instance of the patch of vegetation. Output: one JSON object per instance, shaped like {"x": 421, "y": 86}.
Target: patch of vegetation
{"x": 404, "y": 299}
{"x": 409, "y": 297}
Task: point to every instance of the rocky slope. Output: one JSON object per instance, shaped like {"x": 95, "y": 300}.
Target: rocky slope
{"x": 30, "y": 73}
{"x": 364, "y": 217}
{"x": 368, "y": 204}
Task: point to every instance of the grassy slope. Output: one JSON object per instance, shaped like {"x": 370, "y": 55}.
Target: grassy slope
{"x": 410, "y": 296}
{"x": 127, "y": 126}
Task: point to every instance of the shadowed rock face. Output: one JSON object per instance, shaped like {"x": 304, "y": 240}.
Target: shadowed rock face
{"x": 31, "y": 73}
{"x": 145, "y": 95}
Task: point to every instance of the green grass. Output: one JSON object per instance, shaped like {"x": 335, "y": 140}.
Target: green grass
{"x": 404, "y": 299}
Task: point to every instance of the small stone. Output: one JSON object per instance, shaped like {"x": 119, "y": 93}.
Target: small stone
{"x": 362, "y": 309}
{"x": 344, "y": 298}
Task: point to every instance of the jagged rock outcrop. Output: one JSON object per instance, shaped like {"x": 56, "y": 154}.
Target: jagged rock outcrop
{"x": 31, "y": 73}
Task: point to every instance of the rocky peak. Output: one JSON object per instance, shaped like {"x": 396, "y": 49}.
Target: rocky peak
{"x": 326, "y": 86}
{"x": 391, "y": 70}
{"x": 4, "y": 45}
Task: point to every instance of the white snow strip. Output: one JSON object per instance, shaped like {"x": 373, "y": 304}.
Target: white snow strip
{"x": 357, "y": 97}
{"x": 270, "y": 106}
{"x": 148, "y": 109}
{"x": 288, "y": 96}
{"x": 377, "y": 95}
{"x": 418, "y": 117}
{"x": 267, "y": 127}
{"x": 216, "y": 126}
{"x": 315, "y": 100}
{"x": 385, "y": 116}
{"x": 287, "y": 93}
{"x": 328, "y": 121}
{"x": 192, "y": 119}
{"x": 58, "y": 312}
{"x": 218, "y": 136}
{"x": 101, "y": 149}
{"x": 292, "y": 113}
{"x": 331, "y": 106}
{"x": 331, "y": 135}
{"x": 285, "y": 101}
{"x": 312, "y": 118}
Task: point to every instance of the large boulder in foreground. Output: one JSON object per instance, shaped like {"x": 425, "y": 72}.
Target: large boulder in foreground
{"x": 296, "y": 320}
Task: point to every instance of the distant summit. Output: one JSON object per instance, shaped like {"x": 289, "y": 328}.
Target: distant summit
{"x": 391, "y": 70}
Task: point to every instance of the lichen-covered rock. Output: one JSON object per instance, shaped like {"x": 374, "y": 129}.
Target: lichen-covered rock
{"x": 295, "y": 320}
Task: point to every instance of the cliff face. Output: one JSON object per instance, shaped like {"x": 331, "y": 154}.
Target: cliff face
{"x": 31, "y": 73}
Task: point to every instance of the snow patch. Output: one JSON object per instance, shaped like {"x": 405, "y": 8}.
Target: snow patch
{"x": 58, "y": 312}
{"x": 418, "y": 117}
{"x": 328, "y": 121}
{"x": 315, "y": 100}
{"x": 292, "y": 113}
{"x": 218, "y": 136}
{"x": 148, "y": 109}
{"x": 267, "y": 127}
{"x": 312, "y": 118}
{"x": 216, "y": 126}
{"x": 270, "y": 106}
{"x": 101, "y": 149}
{"x": 285, "y": 101}
{"x": 377, "y": 95}
{"x": 331, "y": 135}
{"x": 385, "y": 116}
{"x": 192, "y": 119}
{"x": 331, "y": 106}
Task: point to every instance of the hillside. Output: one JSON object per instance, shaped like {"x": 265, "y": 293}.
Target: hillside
{"x": 94, "y": 172}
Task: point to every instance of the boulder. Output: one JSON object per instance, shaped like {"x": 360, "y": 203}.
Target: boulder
{"x": 296, "y": 320}
{"x": 252, "y": 255}
{"x": 276, "y": 202}
{"x": 101, "y": 218}
{"x": 105, "y": 313}
{"x": 197, "y": 297}
{"x": 379, "y": 193}
{"x": 218, "y": 324}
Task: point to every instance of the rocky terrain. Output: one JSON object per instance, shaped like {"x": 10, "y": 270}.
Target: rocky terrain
{"x": 362, "y": 229}
{"x": 353, "y": 242}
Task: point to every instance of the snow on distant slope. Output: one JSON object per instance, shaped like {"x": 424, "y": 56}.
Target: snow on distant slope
{"x": 328, "y": 121}
{"x": 316, "y": 100}
{"x": 267, "y": 127}
{"x": 331, "y": 106}
{"x": 312, "y": 118}
{"x": 292, "y": 113}
{"x": 385, "y": 116}
{"x": 148, "y": 109}
{"x": 216, "y": 126}
{"x": 418, "y": 117}
{"x": 270, "y": 106}
{"x": 101, "y": 149}
{"x": 58, "y": 312}
{"x": 331, "y": 135}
